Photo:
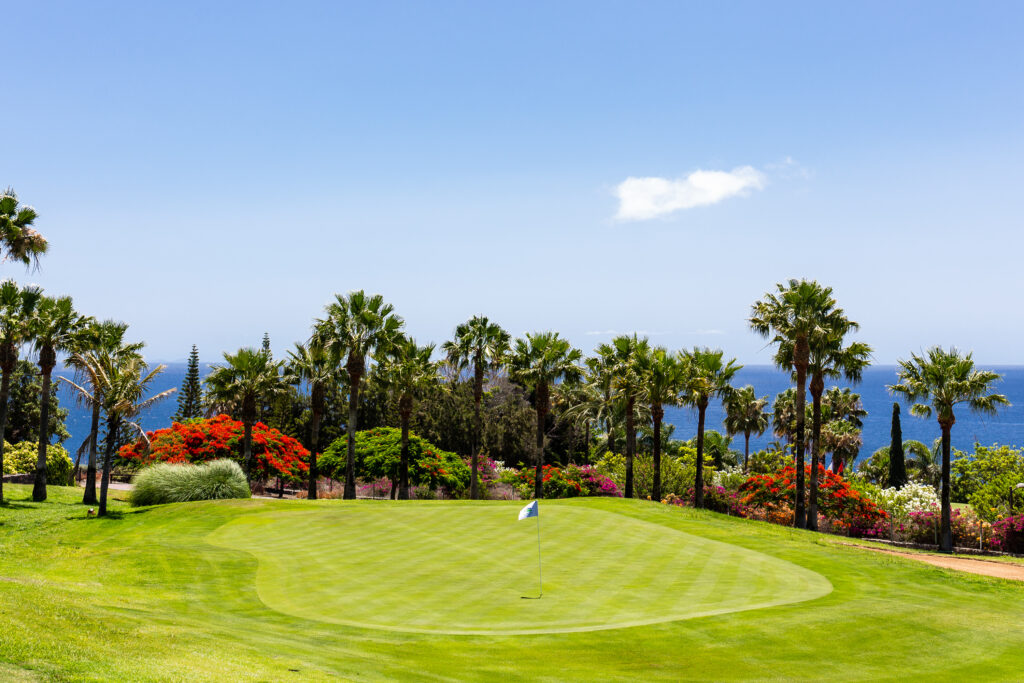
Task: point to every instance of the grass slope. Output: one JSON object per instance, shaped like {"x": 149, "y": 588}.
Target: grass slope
{"x": 166, "y": 594}
{"x": 464, "y": 569}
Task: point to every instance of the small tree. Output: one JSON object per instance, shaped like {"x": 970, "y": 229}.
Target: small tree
{"x": 897, "y": 457}
{"x": 190, "y": 398}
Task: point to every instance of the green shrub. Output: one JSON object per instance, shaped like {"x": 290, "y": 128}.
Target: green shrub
{"x": 378, "y": 454}
{"x": 169, "y": 483}
{"x": 20, "y": 458}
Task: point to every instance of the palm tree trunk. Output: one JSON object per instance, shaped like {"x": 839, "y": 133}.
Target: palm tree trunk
{"x": 89, "y": 498}
{"x": 799, "y": 403}
{"x": 108, "y": 457}
{"x": 746, "y": 449}
{"x": 478, "y": 391}
{"x": 542, "y": 408}
{"x": 945, "y": 531}
{"x": 630, "y": 445}
{"x": 314, "y": 444}
{"x": 247, "y": 447}
{"x": 403, "y": 475}
{"x": 350, "y": 428}
{"x": 698, "y": 481}
{"x": 812, "y": 503}
{"x": 5, "y": 392}
{"x": 656, "y": 414}
{"x": 39, "y": 485}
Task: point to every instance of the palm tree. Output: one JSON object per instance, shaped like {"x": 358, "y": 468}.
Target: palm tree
{"x": 627, "y": 386}
{"x": 316, "y": 365}
{"x": 784, "y": 415}
{"x": 18, "y": 241}
{"x": 538, "y": 361}
{"x": 245, "y": 381}
{"x": 662, "y": 376}
{"x": 53, "y": 327}
{"x": 123, "y": 380}
{"x": 745, "y": 414}
{"x": 601, "y": 375}
{"x": 707, "y": 376}
{"x": 98, "y": 343}
{"x": 408, "y": 371}
{"x": 795, "y": 314}
{"x": 947, "y": 379}
{"x": 828, "y": 358}
{"x": 484, "y": 345}
{"x": 17, "y": 306}
{"x": 357, "y": 325}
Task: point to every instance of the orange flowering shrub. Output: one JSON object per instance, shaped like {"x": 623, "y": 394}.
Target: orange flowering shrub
{"x": 276, "y": 454}
{"x": 845, "y": 507}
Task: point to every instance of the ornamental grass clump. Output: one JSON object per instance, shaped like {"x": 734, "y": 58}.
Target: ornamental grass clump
{"x": 170, "y": 483}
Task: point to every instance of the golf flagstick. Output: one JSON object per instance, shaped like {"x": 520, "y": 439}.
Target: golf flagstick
{"x": 532, "y": 510}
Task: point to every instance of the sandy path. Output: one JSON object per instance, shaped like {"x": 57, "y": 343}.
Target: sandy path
{"x": 1000, "y": 570}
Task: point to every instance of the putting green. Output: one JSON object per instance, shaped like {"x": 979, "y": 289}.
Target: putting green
{"x": 464, "y": 569}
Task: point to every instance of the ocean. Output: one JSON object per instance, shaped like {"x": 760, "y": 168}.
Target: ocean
{"x": 1005, "y": 428}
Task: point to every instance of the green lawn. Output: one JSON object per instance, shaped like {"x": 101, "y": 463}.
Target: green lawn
{"x": 270, "y": 590}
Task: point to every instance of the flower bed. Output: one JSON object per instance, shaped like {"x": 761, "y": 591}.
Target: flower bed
{"x": 569, "y": 482}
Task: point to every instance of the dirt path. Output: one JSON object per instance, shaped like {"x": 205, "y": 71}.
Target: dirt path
{"x": 1000, "y": 570}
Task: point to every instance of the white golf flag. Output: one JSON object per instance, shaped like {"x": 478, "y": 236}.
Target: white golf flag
{"x": 529, "y": 511}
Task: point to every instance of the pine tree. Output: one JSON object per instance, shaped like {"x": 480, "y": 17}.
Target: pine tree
{"x": 266, "y": 346}
{"x": 897, "y": 458}
{"x": 190, "y": 397}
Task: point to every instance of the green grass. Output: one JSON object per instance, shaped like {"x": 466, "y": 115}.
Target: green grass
{"x": 272, "y": 590}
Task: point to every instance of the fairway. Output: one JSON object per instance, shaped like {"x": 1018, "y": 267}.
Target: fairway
{"x": 438, "y": 568}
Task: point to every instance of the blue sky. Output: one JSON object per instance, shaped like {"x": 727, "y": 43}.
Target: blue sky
{"x": 210, "y": 173}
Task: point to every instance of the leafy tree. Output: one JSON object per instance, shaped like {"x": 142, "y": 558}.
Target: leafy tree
{"x": 987, "y": 479}
{"x": 18, "y": 240}
{"x": 745, "y": 414}
{"x": 538, "y": 361}
{"x": 96, "y": 344}
{"x": 17, "y": 307}
{"x": 357, "y": 325}
{"x": 190, "y": 398}
{"x": 124, "y": 381}
{"x": 897, "y": 458}
{"x": 408, "y": 371}
{"x": 483, "y": 345}
{"x": 53, "y": 327}
{"x": 707, "y": 376}
{"x": 246, "y": 378}
{"x": 316, "y": 366}
{"x": 798, "y": 312}
{"x": 946, "y": 379}
{"x": 662, "y": 376}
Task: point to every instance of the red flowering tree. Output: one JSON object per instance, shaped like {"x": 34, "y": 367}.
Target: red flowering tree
{"x": 839, "y": 502}
{"x": 221, "y": 437}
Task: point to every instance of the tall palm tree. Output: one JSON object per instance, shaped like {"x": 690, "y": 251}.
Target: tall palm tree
{"x": 627, "y": 387}
{"x": 828, "y": 359}
{"x": 315, "y": 365}
{"x": 54, "y": 327}
{"x": 124, "y": 380}
{"x": 784, "y": 415}
{"x": 707, "y": 376}
{"x": 793, "y": 315}
{"x": 538, "y": 361}
{"x": 408, "y": 371}
{"x": 946, "y": 379}
{"x": 98, "y": 343}
{"x": 745, "y": 414}
{"x": 484, "y": 345}
{"x": 662, "y": 376}
{"x": 601, "y": 375}
{"x": 357, "y": 325}
{"x": 17, "y": 306}
{"x": 18, "y": 240}
{"x": 245, "y": 381}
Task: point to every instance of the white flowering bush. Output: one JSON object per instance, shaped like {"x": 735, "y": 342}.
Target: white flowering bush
{"x": 729, "y": 478}
{"x": 914, "y": 497}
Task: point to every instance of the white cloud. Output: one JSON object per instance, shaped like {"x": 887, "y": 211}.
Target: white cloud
{"x": 645, "y": 198}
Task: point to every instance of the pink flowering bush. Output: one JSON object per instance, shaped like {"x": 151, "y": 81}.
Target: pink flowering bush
{"x": 1007, "y": 535}
{"x": 566, "y": 482}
